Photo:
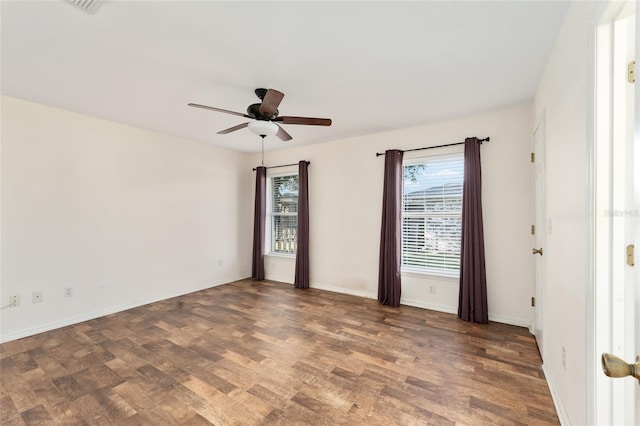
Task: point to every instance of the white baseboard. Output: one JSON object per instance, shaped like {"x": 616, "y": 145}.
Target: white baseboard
{"x": 562, "y": 413}
{"x": 41, "y": 328}
{"x": 342, "y": 290}
{"x": 284, "y": 280}
{"x": 454, "y": 310}
{"x": 519, "y": 322}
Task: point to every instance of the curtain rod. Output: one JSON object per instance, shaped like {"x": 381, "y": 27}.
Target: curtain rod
{"x": 487, "y": 139}
{"x": 284, "y": 165}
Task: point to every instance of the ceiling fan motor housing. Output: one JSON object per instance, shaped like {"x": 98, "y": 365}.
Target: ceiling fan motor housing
{"x": 254, "y": 111}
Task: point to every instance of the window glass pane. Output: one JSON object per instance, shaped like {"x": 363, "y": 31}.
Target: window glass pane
{"x": 282, "y": 216}
{"x": 284, "y": 234}
{"x": 434, "y": 186}
{"x": 432, "y": 215}
{"x": 285, "y": 194}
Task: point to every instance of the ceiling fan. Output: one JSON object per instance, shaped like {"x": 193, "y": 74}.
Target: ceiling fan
{"x": 266, "y": 116}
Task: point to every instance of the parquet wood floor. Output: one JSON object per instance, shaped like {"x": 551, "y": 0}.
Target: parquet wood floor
{"x": 250, "y": 353}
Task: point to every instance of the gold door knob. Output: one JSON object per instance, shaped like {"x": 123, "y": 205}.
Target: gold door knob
{"x": 616, "y": 367}
{"x": 537, "y": 251}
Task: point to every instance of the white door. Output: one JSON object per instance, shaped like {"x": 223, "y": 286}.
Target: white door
{"x": 539, "y": 229}
{"x": 617, "y": 211}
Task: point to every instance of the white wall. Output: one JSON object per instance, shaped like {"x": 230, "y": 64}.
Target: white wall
{"x": 564, "y": 94}
{"x": 345, "y": 211}
{"x": 123, "y": 216}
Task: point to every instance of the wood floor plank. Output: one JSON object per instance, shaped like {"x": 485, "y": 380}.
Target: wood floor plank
{"x": 8, "y": 410}
{"x": 264, "y": 353}
{"x": 36, "y": 415}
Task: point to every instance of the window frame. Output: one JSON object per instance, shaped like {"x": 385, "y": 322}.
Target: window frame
{"x": 420, "y": 271}
{"x": 268, "y": 246}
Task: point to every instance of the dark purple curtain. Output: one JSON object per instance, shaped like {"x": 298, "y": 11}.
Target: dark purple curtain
{"x": 260, "y": 212}
{"x": 391, "y": 230}
{"x": 472, "y": 304}
{"x": 302, "y": 253}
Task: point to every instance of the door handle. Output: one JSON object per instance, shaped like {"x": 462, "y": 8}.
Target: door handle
{"x": 616, "y": 367}
{"x": 537, "y": 251}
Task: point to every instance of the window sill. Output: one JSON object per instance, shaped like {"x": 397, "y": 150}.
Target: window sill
{"x": 424, "y": 274}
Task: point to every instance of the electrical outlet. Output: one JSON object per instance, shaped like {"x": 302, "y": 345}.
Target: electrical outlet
{"x": 68, "y": 292}
{"x": 432, "y": 289}
{"x": 36, "y": 297}
{"x": 14, "y": 301}
{"x": 564, "y": 358}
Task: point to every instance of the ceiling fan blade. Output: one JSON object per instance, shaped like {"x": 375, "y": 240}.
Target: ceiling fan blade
{"x": 282, "y": 134}
{"x": 310, "y": 121}
{"x": 218, "y": 110}
{"x": 271, "y": 101}
{"x": 233, "y": 129}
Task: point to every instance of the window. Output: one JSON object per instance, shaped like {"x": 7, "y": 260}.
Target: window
{"x": 432, "y": 214}
{"x": 282, "y": 215}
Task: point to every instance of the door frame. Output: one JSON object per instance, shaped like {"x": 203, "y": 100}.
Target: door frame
{"x": 636, "y": 208}
{"x": 608, "y": 401}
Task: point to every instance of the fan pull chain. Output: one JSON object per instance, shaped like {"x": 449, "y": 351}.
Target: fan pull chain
{"x": 262, "y": 136}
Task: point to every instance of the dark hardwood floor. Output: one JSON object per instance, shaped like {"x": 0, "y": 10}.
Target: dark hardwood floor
{"x": 264, "y": 353}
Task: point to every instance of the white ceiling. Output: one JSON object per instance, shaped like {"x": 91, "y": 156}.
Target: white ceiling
{"x": 370, "y": 66}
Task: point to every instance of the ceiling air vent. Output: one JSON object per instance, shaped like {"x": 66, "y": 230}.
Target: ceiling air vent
{"x": 89, "y": 6}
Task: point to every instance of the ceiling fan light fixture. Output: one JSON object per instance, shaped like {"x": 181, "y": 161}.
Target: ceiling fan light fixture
{"x": 263, "y": 128}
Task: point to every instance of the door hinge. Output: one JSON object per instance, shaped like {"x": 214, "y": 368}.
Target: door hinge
{"x": 631, "y": 255}
{"x": 533, "y": 230}
{"x": 533, "y": 157}
{"x": 631, "y": 72}
{"x": 533, "y": 301}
